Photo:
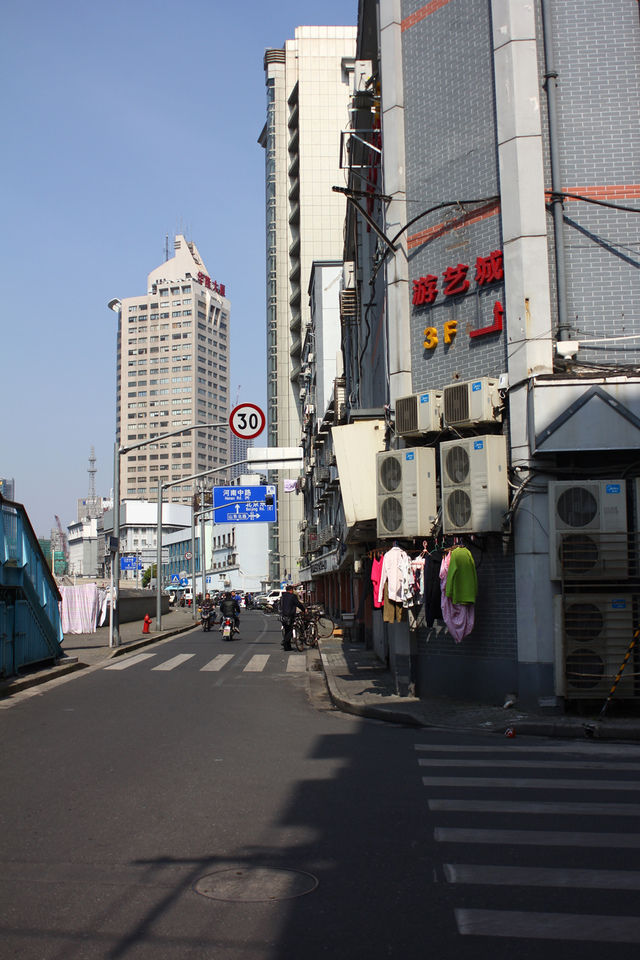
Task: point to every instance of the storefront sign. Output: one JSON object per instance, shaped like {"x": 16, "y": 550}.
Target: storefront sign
{"x": 425, "y": 290}
{"x": 488, "y": 270}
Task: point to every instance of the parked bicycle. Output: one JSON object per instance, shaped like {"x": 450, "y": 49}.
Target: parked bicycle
{"x": 323, "y": 623}
{"x": 309, "y": 626}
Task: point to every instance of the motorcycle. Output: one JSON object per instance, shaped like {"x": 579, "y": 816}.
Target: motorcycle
{"x": 207, "y": 619}
{"x": 228, "y": 628}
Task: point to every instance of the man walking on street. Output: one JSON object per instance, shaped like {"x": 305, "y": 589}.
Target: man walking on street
{"x": 288, "y": 604}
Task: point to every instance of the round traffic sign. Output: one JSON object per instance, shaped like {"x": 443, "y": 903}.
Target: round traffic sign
{"x": 188, "y": 555}
{"x": 247, "y": 421}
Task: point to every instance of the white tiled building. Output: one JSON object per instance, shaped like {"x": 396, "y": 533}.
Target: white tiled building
{"x": 308, "y": 94}
{"x": 173, "y": 370}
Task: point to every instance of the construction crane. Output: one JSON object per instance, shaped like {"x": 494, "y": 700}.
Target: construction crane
{"x": 64, "y": 543}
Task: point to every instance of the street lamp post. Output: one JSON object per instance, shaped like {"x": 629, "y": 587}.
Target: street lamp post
{"x": 114, "y": 638}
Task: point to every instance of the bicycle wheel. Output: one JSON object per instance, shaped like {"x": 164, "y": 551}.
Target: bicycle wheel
{"x": 311, "y": 634}
{"x": 324, "y": 626}
{"x": 298, "y": 637}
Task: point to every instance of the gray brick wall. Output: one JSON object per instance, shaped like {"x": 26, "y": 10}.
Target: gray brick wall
{"x": 596, "y": 49}
{"x": 451, "y": 154}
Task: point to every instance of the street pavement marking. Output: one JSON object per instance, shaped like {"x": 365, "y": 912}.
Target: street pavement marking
{"x": 174, "y": 662}
{"x": 297, "y": 663}
{"x": 592, "y": 748}
{"x": 547, "y": 926}
{"x": 538, "y": 838}
{"x": 530, "y": 806}
{"x": 218, "y": 662}
{"x": 129, "y": 661}
{"x": 531, "y": 764}
{"x": 517, "y": 783}
{"x": 257, "y": 663}
{"x": 542, "y": 877}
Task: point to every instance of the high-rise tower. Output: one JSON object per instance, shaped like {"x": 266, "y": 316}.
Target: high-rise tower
{"x": 308, "y": 95}
{"x": 173, "y": 370}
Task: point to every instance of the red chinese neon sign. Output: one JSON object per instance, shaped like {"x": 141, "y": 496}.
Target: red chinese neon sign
{"x": 211, "y": 284}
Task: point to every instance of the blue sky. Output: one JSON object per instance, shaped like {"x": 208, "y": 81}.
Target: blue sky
{"x": 123, "y": 121}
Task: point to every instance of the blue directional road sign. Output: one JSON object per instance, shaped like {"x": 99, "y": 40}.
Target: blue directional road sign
{"x": 130, "y": 563}
{"x": 245, "y": 504}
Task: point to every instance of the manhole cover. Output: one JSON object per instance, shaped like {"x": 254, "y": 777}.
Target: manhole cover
{"x": 252, "y": 884}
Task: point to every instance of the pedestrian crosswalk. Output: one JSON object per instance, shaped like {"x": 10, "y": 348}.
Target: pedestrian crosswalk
{"x": 559, "y": 853}
{"x": 258, "y": 663}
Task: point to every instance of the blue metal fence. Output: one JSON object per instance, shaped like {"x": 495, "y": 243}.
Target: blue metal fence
{"x": 30, "y": 625}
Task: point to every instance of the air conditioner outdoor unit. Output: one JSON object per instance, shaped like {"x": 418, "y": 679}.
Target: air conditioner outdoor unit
{"x": 592, "y": 638}
{"x": 471, "y": 402}
{"x": 419, "y": 413}
{"x": 475, "y": 490}
{"x": 588, "y": 530}
{"x": 406, "y": 492}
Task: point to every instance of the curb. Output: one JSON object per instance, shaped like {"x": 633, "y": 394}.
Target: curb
{"x": 552, "y": 729}
{"x": 146, "y": 641}
{"x": 62, "y": 669}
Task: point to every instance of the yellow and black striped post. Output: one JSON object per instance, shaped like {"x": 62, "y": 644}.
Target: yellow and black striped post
{"x": 617, "y": 679}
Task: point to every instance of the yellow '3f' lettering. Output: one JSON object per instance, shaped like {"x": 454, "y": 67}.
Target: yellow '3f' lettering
{"x": 430, "y": 338}
{"x": 450, "y": 330}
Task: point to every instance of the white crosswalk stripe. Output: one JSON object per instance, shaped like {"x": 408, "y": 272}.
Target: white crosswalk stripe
{"x": 602, "y": 762}
{"x": 174, "y": 662}
{"x": 257, "y": 663}
{"x": 129, "y": 661}
{"x": 295, "y": 662}
{"x": 218, "y": 662}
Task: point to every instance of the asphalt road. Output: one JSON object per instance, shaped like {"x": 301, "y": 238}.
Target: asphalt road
{"x": 172, "y": 804}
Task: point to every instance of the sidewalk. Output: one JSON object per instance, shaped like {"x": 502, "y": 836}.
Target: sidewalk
{"x": 87, "y": 649}
{"x": 360, "y": 684}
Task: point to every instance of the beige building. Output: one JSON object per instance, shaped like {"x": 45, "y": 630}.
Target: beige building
{"x": 173, "y": 370}
{"x": 309, "y": 85}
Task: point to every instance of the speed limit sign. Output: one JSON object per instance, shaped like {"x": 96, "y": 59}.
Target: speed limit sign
{"x": 247, "y": 421}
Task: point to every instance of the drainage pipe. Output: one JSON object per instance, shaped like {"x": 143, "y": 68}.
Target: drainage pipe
{"x": 551, "y": 76}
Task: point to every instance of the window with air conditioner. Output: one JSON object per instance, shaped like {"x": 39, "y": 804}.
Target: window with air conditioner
{"x": 406, "y": 492}
{"x": 475, "y": 490}
{"x": 588, "y": 530}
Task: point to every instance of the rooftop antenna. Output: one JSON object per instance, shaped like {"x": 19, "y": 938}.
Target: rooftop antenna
{"x": 166, "y": 247}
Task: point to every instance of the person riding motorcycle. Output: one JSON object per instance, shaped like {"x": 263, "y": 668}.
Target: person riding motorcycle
{"x": 208, "y": 609}
{"x": 229, "y": 607}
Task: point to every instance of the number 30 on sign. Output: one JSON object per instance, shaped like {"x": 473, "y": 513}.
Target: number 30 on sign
{"x": 247, "y": 421}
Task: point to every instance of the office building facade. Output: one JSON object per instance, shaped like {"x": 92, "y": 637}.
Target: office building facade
{"x": 173, "y": 371}
{"x": 308, "y": 94}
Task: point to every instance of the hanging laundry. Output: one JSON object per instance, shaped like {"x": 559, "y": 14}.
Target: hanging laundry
{"x": 462, "y": 580}
{"x": 376, "y": 575}
{"x": 415, "y": 589}
{"x": 432, "y": 591}
{"x": 392, "y": 610}
{"x": 395, "y": 572}
{"x": 459, "y": 618}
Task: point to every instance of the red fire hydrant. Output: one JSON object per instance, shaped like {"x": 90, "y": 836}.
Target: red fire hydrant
{"x": 147, "y": 623}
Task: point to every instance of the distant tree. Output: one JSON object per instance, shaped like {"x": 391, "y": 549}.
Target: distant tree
{"x": 149, "y": 573}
